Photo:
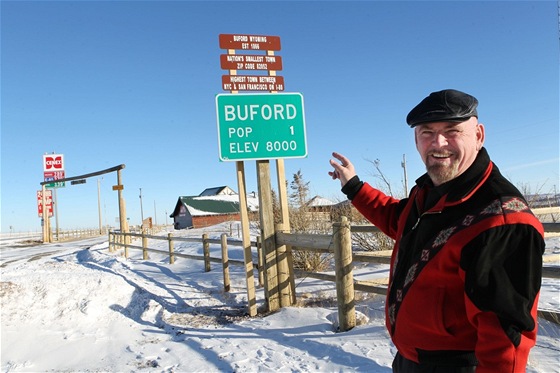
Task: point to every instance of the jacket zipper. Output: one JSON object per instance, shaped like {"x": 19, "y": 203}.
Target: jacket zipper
{"x": 422, "y": 215}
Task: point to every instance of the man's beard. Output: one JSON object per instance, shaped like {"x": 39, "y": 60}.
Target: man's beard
{"x": 441, "y": 174}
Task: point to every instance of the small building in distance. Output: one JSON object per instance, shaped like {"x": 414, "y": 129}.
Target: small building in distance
{"x": 212, "y": 206}
{"x": 320, "y": 204}
{"x": 318, "y": 213}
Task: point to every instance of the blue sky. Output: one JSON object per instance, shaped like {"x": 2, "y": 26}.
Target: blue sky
{"x": 108, "y": 83}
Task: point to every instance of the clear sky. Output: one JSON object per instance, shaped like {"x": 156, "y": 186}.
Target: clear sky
{"x": 108, "y": 83}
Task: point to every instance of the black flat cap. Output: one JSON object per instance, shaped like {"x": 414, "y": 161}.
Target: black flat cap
{"x": 448, "y": 105}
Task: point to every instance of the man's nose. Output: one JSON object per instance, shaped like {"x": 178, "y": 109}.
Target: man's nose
{"x": 439, "y": 139}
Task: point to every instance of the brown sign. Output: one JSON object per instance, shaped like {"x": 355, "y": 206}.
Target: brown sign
{"x": 118, "y": 187}
{"x": 250, "y": 42}
{"x": 250, "y": 62}
{"x": 252, "y": 83}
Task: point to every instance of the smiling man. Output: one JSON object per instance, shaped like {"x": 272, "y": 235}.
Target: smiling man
{"x": 467, "y": 261}
{"x": 448, "y": 148}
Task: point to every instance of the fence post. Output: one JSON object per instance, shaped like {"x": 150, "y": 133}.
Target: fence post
{"x": 144, "y": 245}
{"x": 126, "y": 240}
{"x": 344, "y": 275}
{"x": 271, "y": 282}
{"x": 225, "y": 262}
{"x": 286, "y": 282}
{"x": 261, "y": 261}
{"x": 119, "y": 239}
{"x": 171, "y": 248}
{"x": 206, "y": 250}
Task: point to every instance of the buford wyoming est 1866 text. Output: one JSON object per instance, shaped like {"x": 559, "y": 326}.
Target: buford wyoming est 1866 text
{"x": 261, "y": 126}
{"x": 249, "y": 42}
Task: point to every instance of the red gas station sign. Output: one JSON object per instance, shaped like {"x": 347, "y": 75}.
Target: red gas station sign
{"x": 48, "y": 202}
{"x": 53, "y": 162}
{"x": 53, "y": 169}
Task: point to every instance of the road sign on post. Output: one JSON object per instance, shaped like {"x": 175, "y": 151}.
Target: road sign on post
{"x": 261, "y": 126}
{"x": 255, "y": 127}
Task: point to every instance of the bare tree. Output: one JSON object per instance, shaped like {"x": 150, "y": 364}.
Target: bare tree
{"x": 539, "y": 199}
{"x": 362, "y": 241}
{"x": 373, "y": 241}
{"x": 386, "y": 183}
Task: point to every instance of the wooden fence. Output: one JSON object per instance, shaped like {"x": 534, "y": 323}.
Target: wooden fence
{"x": 73, "y": 234}
{"x": 118, "y": 239}
{"x": 339, "y": 243}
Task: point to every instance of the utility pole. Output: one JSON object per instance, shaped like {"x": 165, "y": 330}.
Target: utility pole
{"x": 155, "y": 213}
{"x": 141, "y": 209}
{"x": 403, "y": 164}
{"x": 123, "y": 224}
{"x": 99, "y": 207}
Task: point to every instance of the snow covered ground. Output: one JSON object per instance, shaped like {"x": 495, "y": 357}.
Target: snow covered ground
{"x": 76, "y": 307}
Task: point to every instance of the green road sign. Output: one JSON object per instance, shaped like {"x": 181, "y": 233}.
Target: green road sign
{"x": 260, "y": 126}
{"x": 54, "y": 184}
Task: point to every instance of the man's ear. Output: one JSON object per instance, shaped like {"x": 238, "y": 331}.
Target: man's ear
{"x": 480, "y": 133}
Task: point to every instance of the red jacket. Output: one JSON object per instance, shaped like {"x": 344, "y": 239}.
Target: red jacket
{"x": 465, "y": 272}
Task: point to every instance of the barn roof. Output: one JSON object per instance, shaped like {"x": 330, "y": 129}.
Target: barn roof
{"x": 215, "y": 191}
{"x": 319, "y": 201}
{"x": 213, "y": 205}
{"x": 207, "y": 206}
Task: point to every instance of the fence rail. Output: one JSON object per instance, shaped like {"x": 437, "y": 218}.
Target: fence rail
{"x": 72, "y": 234}
{"x": 119, "y": 239}
{"x": 317, "y": 243}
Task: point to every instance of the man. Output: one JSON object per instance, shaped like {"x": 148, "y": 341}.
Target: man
{"x": 466, "y": 266}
